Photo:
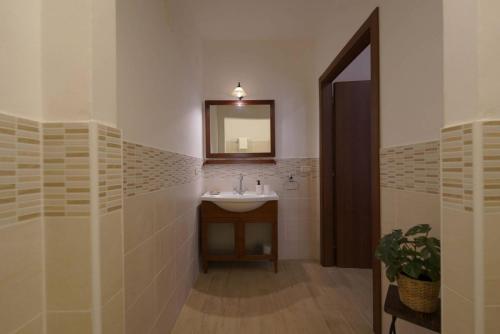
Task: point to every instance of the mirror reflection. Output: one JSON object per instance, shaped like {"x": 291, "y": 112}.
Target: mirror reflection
{"x": 240, "y": 128}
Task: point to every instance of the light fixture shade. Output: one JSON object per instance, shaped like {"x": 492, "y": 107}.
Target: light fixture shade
{"x": 239, "y": 92}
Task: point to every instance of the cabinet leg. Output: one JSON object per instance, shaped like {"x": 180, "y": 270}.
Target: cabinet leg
{"x": 276, "y": 266}
{"x": 392, "y": 330}
{"x": 205, "y": 266}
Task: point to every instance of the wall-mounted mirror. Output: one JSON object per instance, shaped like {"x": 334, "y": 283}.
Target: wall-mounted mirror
{"x": 239, "y": 129}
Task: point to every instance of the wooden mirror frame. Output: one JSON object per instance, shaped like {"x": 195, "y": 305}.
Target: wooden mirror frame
{"x": 238, "y": 157}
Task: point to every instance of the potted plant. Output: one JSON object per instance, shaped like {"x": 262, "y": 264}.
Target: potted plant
{"x": 413, "y": 259}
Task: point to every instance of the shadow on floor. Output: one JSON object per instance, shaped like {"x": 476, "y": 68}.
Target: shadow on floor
{"x": 302, "y": 297}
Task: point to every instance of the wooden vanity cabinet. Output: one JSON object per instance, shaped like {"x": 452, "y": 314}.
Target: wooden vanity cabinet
{"x": 239, "y": 226}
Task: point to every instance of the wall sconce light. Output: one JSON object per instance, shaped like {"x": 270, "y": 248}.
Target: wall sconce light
{"x": 239, "y": 92}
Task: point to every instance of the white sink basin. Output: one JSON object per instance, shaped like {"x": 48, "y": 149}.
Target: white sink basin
{"x": 234, "y": 202}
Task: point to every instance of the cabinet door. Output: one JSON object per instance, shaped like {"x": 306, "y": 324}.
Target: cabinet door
{"x": 258, "y": 239}
{"x": 220, "y": 239}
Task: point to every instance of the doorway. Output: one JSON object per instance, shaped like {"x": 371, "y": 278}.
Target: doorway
{"x": 349, "y": 162}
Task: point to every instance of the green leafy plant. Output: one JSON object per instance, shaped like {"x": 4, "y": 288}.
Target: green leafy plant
{"x": 413, "y": 253}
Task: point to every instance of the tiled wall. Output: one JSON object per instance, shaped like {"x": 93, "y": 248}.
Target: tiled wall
{"x": 411, "y": 167}
{"x": 148, "y": 169}
{"x": 491, "y": 189}
{"x": 457, "y": 167}
{"x": 162, "y": 191}
{"x": 491, "y": 166}
{"x": 410, "y": 190}
{"x": 298, "y": 209}
{"x": 66, "y": 170}
{"x": 110, "y": 186}
{"x": 21, "y": 272}
{"x": 47, "y": 280}
{"x": 110, "y": 169}
{"x": 457, "y": 227}
{"x": 471, "y": 226}
{"x": 66, "y": 186}
{"x": 158, "y": 243}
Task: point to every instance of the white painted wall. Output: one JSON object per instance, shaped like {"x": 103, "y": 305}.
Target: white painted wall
{"x": 460, "y": 61}
{"x": 471, "y": 66}
{"x": 58, "y": 59}
{"x": 79, "y": 60}
{"x": 279, "y": 70}
{"x": 489, "y": 58}
{"x": 259, "y": 19}
{"x": 20, "y": 58}
{"x": 159, "y": 76}
{"x": 104, "y": 98}
{"x": 66, "y": 34}
{"x": 411, "y": 49}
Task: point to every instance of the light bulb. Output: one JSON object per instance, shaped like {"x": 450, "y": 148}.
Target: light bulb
{"x": 239, "y": 92}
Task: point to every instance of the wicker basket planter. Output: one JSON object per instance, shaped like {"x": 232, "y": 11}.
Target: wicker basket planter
{"x": 420, "y": 296}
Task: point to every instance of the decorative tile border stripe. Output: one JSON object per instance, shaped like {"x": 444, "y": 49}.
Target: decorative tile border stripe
{"x": 66, "y": 171}
{"x": 491, "y": 165}
{"x": 282, "y": 169}
{"x": 20, "y": 170}
{"x": 147, "y": 169}
{"x": 411, "y": 167}
{"x": 456, "y": 160}
{"x": 110, "y": 169}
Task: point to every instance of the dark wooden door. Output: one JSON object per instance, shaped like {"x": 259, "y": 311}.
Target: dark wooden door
{"x": 353, "y": 218}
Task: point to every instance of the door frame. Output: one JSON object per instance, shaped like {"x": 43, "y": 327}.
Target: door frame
{"x": 367, "y": 35}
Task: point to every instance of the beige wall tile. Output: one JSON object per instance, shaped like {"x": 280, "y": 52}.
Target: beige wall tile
{"x": 165, "y": 244}
{"x": 457, "y": 252}
{"x": 111, "y": 248}
{"x": 148, "y": 169}
{"x": 140, "y": 317}
{"x": 188, "y": 196}
{"x": 66, "y": 170}
{"x": 165, "y": 208}
{"x": 68, "y": 264}
{"x": 492, "y": 316}
{"x": 20, "y": 275}
{"x": 491, "y": 166}
{"x": 457, "y": 165}
{"x": 165, "y": 284}
{"x": 160, "y": 231}
{"x": 113, "y": 315}
{"x": 294, "y": 208}
{"x": 388, "y": 211}
{"x": 69, "y": 322}
{"x": 110, "y": 169}
{"x": 139, "y": 217}
{"x": 492, "y": 258}
{"x": 35, "y": 326}
{"x": 182, "y": 255}
{"x": 139, "y": 270}
{"x": 415, "y": 208}
{"x": 181, "y": 230}
{"x": 167, "y": 318}
{"x": 458, "y": 314}
{"x": 492, "y": 291}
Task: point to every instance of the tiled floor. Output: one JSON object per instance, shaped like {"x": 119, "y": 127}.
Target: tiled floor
{"x": 302, "y": 298}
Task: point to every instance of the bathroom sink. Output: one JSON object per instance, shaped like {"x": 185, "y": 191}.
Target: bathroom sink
{"x": 234, "y": 202}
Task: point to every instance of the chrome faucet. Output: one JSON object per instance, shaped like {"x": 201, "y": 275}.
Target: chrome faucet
{"x": 240, "y": 190}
